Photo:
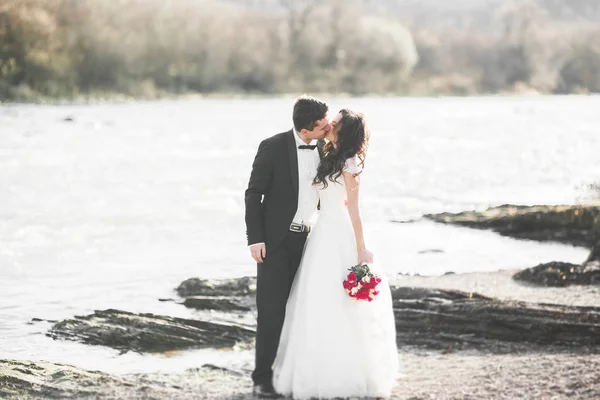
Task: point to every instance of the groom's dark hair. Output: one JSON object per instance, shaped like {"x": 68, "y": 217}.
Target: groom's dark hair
{"x": 307, "y": 111}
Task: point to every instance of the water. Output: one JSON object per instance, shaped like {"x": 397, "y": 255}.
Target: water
{"x": 117, "y": 207}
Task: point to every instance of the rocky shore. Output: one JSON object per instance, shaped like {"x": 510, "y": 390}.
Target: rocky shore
{"x": 481, "y": 335}
{"x": 147, "y": 332}
{"x": 432, "y": 324}
{"x": 565, "y": 224}
{"x": 44, "y": 380}
{"x": 431, "y": 318}
{"x": 576, "y": 225}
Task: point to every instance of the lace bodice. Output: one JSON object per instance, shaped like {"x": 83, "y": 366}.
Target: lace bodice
{"x": 333, "y": 197}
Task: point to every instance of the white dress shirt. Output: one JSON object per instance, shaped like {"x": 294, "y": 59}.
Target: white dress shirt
{"x": 308, "y": 196}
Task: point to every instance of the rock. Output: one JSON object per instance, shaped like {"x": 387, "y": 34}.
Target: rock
{"x": 224, "y": 287}
{"x": 565, "y": 224}
{"x": 212, "y": 367}
{"x": 214, "y": 303}
{"x": 443, "y": 319}
{"x": 561, "y": 274}
{"x": 417, "y": 293}
{"x": 25, "y": 379}
{"x": 147, "y": 332}
{"x": 45, "y": 380}
{"x": 431, "y": 251}
{"x": 595, "y": 253}
{"x": 69, "y": 119}
{"x": 35, "y": 320}
{"x": 408, "y": 274}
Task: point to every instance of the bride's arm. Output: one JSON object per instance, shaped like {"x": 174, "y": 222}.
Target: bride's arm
{"x": 352, "y": 189}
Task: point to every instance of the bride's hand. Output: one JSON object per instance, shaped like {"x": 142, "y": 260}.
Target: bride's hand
{"x": 365, "y": 257}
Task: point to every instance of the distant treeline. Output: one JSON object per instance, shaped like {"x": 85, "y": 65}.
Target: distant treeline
{"x": 151, "y": 48}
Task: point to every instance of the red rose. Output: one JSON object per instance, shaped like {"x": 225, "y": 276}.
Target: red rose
{"x": 372, "y": 283}
{"x": 348, "y": 285}
{"x": 352, "y": 276}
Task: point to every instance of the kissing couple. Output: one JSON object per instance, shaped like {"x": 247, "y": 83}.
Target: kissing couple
{"x": 305, "y": 231}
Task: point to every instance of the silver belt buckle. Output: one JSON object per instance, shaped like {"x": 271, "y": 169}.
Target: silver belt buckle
{"x": 294, "y": 227}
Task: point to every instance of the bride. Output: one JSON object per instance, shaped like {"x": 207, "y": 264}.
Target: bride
{"x": 333, "y": 345}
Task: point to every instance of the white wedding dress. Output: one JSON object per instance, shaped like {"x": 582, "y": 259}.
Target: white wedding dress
{"x": 331, "y": 344}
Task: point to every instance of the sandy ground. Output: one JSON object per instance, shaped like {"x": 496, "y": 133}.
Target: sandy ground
{"x": 469, "y": 376}
{"x": 512, "y": 376}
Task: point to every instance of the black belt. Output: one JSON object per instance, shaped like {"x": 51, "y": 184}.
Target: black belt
{"x": 294, "y": 227}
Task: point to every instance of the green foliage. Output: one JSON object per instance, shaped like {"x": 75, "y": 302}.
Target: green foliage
{"x": 361, "y": 271}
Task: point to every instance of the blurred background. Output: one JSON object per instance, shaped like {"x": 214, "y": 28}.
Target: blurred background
{"x": 108, "y": 199}
{"x": 151, "y": 48}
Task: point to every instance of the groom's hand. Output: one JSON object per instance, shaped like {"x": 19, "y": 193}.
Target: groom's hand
{"x": 258, "y": 252}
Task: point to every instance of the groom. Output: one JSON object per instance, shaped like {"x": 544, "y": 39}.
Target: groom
{"x": 280, "y": 203}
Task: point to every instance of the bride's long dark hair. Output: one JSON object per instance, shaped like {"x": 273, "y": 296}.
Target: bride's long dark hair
{"x": 352, "y": 141}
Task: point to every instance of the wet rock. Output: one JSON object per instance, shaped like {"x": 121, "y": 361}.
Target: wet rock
{"x": 212, "y": 367}
{"x": 443, "y": 319}
{"x": 223, "y": 287}
{"x": 417, "y": 293}
{"x": 565, "y": 224}
{"x": 408, "y": 274}
{"x": 26, "y": 379}
{"x": 147, "y": 332}
{"x": 561, "y": 274}
{"x": 431, "y": 251}
{"x": 45, "y": 380}
{"x": 216, "y": 303}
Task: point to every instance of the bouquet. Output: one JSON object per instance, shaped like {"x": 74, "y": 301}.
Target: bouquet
{"x": 361, "y": 283}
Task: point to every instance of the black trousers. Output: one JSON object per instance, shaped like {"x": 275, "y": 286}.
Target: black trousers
{"x": 274, "y": 281}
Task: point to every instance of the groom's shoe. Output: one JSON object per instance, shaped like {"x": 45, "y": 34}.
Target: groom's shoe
{"x": 265, "y": 391}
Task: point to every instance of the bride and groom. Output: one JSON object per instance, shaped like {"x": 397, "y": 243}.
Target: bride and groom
{"x": 312, "y": 339}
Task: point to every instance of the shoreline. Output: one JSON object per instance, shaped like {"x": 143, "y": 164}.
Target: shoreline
{"x": 502, "y": 286}
{"x": 117, "y": 98}
{"x": 528, "y": 370}
{"x": 475, "y": 335}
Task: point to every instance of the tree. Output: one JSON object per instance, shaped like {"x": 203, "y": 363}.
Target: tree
{"x": 581, "y": 72}
{"x": 298, "y": 14}
{"x": 31, "y": 51}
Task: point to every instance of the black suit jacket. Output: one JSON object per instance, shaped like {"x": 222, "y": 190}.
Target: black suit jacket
{"x": 272, "y": 194}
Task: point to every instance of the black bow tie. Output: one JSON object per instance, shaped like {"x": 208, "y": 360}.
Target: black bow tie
{"x": 307, "y": 147}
